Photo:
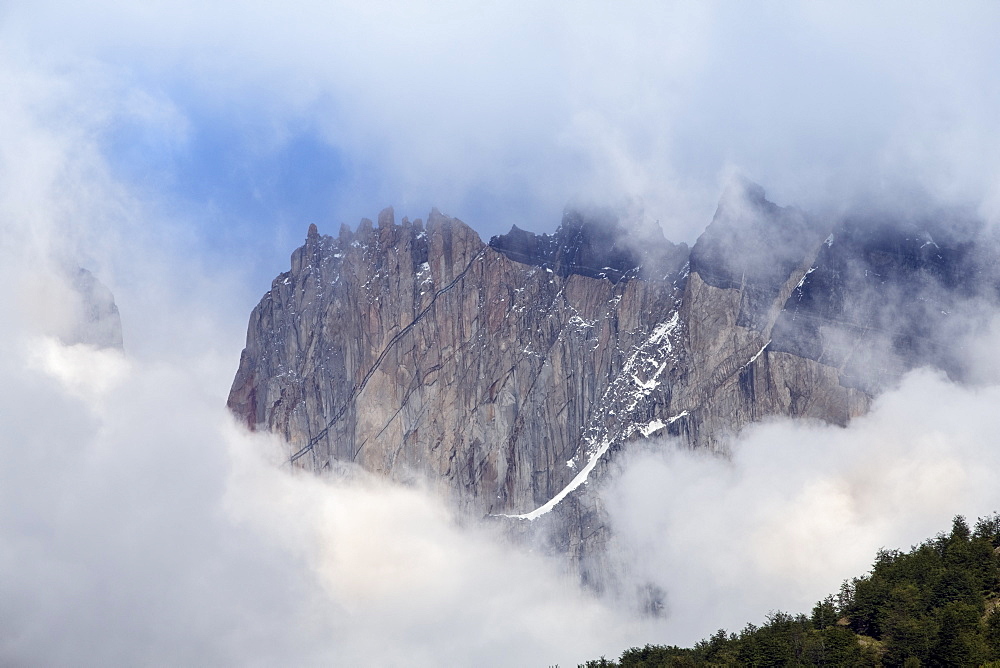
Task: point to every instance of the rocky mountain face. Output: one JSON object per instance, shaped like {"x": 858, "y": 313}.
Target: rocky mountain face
{"x": 87, "y": 313}
{"x": 509, "y": 374}
{"x": 99, "y": 322}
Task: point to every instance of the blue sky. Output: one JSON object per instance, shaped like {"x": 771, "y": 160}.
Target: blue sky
{"x": 251, "y": 121}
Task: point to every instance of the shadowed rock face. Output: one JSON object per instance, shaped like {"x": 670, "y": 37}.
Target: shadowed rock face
{"x": 510, "y": 374}
{"x": 595, "y": 244}
{"x": 886, "y": 296}
{"x": 96, "y": 321}
{"x": 753, "y": 246}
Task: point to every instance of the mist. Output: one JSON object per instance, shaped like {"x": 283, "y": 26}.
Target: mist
{"x": 139, "y": 525}
{"x": 503, "y": 112}
{"x": 798, "y": 507}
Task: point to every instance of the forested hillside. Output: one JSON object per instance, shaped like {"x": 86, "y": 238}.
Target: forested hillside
{"x": 935, "y": 605}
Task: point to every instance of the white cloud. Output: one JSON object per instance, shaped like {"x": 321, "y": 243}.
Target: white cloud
{"x": 139, "y": 525}
{"x": 81, "y": 369}
{"x": 800, "y": 507}
{"x": 506, "y": 111}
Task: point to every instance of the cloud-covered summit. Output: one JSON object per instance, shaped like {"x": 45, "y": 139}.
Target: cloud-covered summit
{"x": 503, "y": 112}
{"x": 178, "y": 150}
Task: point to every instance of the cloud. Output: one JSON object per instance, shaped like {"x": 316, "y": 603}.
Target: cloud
{"x": 800, "y": 506}
{"x": 503, "y": 112}
{"x": 139, "y": 525}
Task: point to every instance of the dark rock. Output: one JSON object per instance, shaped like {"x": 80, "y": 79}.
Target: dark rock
{"x": 885, "y": 296}
{"x": 595, "y": 244}
{"x": 753, "y": 245}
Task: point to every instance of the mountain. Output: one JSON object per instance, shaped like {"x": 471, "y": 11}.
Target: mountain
{"x": 89, "y": 314}
{"x": 509, "y": 374}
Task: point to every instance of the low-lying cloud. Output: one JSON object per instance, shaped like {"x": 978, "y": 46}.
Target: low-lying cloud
{"x": 801, "y": 506}
{"x": 141, "y": 526}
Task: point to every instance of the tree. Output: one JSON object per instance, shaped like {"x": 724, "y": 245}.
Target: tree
{"x": 992, "y": 634}
{"x": 960, "y": 529}
{"x": 959, "y": 642}
{"x": 870, "y": 595}
{"x": 824, "y": 613}
{"x": 988, "y": 528}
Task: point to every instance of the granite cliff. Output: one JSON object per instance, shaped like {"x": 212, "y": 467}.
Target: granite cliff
{"x": 510, "y": 373}
{"x": 98, "y": 322}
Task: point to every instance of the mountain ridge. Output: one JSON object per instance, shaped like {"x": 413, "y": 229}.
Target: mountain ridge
{"x": 509, "y": 374}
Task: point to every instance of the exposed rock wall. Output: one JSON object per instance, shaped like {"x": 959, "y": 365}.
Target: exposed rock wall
{"x": 509, "y": 374}
{"x": 424, "y": 351}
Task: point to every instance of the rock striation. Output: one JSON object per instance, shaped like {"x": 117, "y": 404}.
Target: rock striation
{"x": 509, "y": 374}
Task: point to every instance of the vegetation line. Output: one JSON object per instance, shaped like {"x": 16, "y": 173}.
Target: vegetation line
{"x": 936, "y": 605}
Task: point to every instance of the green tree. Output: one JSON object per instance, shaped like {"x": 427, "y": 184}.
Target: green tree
{"x": 824, "y": 613}
{"x": 936, "y": 605}
{"x": 959, "y": 642}
{"x": 870, "y": 595}
{"x": 907, "y": 630}
{"x": 992, "y": 634}
{"x": 841, "y": 648}
{"x": 988, "y": 529}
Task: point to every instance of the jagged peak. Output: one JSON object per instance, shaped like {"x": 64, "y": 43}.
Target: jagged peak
{"x": 438, "y": 223}
{"x": 751, "y": 233}
{"x": 451, "y": 233}
{"x": 741, "y": 188}
{"x": 387, "y": 217}
{"x": 589, "y": 241}
{"x": 595, "y": 242}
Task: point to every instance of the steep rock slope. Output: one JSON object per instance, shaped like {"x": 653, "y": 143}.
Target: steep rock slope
{"x": 83, "y": 309}
{"x": 510, "y": 373}
{"x": 416, "y": 351}
{"x": 99, "y": 322}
